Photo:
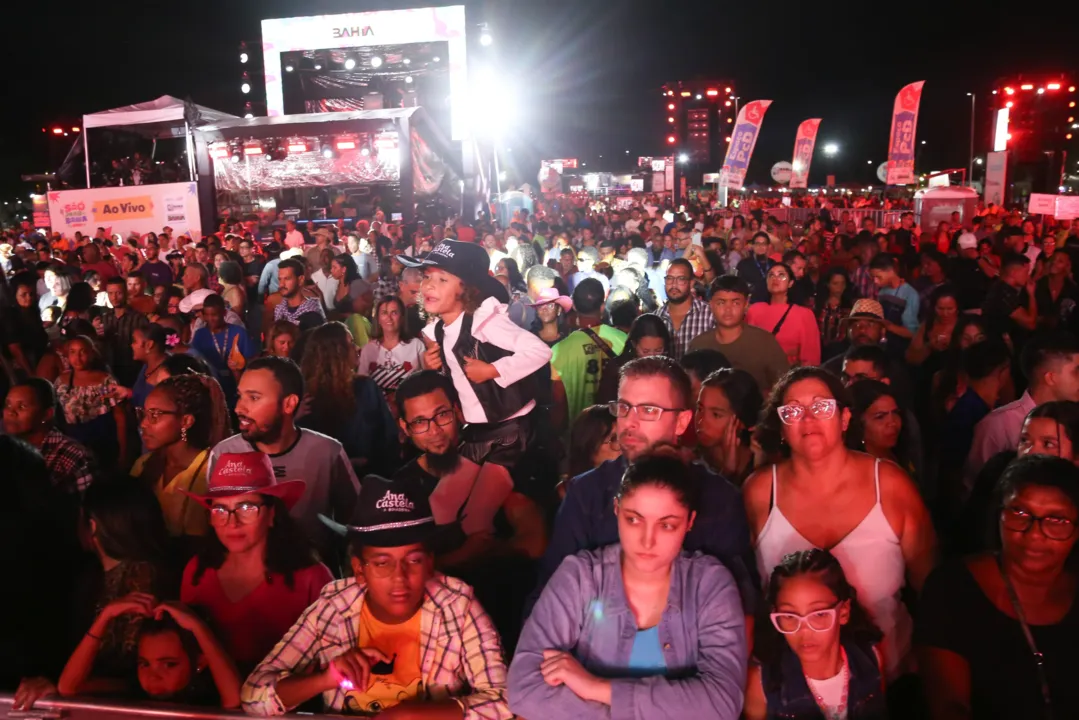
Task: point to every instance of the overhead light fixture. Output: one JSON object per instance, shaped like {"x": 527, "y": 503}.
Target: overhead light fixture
{"x": 683, "y": 158}
{"x": 365, "y": 151}
{"x": 686, "y": 93}
{"x": 485, "y": 36}
{"x": 318, "y": 67}
{"x": 408, "y": 79}
{"x": 254, "y": 148}
{"x": 436, "y": 58}
{"x": 245, "y": 88}
{"x": 376, "y": 61}
{"x": 699, "y": 96}
{"x": 243, "y": 57}
{"x": 712, "y": 93}
{"x": 249, "y": 116}
{"x": 350, "y": 63}
{"x": 297, "y": 147}
{"x": 1026, "y": 87}
{"x": 406, "y": 61}
{"x": 327, "y": 151}
{"x": 288, "y": 68}
{"x": 1052, "y": 86}
{"x": 671, "y": 139}
{"x": 346, "y": 144}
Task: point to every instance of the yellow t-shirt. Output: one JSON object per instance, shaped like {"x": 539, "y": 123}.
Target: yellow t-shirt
{"x": 401, "y": 643}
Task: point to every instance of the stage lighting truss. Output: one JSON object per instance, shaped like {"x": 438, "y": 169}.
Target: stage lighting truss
{"x": 253, "y": 147}
{"x": 345, "y": 143}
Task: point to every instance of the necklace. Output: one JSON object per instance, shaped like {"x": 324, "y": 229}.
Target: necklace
{"x": 838, "y": 711}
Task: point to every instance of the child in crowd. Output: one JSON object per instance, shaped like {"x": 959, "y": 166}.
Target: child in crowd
{"x": 815, "y": 646}
{"x": 489, "y": 358}
{"x": 174, "y": 648}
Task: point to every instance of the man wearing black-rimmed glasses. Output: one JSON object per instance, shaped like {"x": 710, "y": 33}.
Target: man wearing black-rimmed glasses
{"x": 654, "y": 409}
{"x": 429, "y": 413}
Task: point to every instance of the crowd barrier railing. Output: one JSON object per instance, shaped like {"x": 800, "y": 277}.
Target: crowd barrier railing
{"x": 798, "y": 215}
{"x": 98, "y": 709}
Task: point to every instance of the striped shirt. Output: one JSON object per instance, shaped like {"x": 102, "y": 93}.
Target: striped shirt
{"x": 460, "y": 651}
{"x": 286, "y": 312}
{"x": 698, "y": 320}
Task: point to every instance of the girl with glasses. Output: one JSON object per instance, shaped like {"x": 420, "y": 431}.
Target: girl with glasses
{"x": 814, "y": 646}
{"x": 823, "y": 495}
{"x": 998, "y": 632}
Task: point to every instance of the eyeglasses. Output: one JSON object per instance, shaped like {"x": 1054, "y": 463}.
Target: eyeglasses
{"x": 421, "y": 424}
{"x": 822, "y": 409}
{"x": 677, "y": 279}
{"x": 153, "y": 414}
{"x": 385, "y": 567}
{"x": 246, "y": 513}
{"x": 648, "y": 413}
{"x": 817, "y": 621}
{"x": 1053, "y": 527}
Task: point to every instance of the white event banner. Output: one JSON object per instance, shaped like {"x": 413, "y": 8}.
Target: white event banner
{"x": 125, "y": 210}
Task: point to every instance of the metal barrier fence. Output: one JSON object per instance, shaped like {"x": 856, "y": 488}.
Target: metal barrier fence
{"x": 85, "y": 709}
{"x": 798, "y": 215}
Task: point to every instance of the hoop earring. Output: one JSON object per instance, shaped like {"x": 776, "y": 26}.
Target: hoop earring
{"x": 183, "y": 434}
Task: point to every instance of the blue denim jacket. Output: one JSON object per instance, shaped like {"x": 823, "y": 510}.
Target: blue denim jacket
{"x": 793, "y": 700}
{"x": 586, "y": 520}
{"x": 583, "y": 610}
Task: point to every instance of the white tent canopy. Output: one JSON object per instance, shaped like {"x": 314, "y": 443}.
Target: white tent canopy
{"x": 161, "y": 118}
{"x": 166, "y": 117}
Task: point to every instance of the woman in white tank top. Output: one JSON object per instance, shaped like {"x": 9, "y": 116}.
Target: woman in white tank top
{"x": 867, "y": 513}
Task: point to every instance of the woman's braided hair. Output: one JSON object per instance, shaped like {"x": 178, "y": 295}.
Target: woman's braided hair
{"x": 201, "y": 397}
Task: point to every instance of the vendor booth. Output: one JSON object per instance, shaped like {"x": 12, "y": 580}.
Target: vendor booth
{"x": 325, "y": 167}
{"x": 139, "y": 206}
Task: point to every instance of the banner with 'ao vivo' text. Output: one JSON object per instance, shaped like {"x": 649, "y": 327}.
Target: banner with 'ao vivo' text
{"x": 901, "y": 141}
{"x": 744, "y": 138}
{"x": 124, "y": 210}
{"x": 804, "y": 141}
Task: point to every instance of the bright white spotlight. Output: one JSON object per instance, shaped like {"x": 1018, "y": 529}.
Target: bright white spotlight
{"x": 376, "y": 61}
{"x": 350, "y": 63}
{"x": 436, "y": 58}
{"x": 288, "y": 68}
{"x": 318, "y": 67}
{"x": 327, "y": 151}
{"x": 406, "y": 61}
{"x": 683, "y": 158}
{"x": 408, "y": 79}
{"x": 486, "y": 39}
{"x": 492, "y": 104}
{"x": 502, "y": 176}
{"x": 243, "y": 57}
{"x": 831, "y": 149}
{"x": 248, "y": 116}
{"x": 365, "y": 152}
{"x": 245, "y": 88}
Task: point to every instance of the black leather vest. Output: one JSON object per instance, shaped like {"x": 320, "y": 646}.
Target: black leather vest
{"x": 498, "y": 403}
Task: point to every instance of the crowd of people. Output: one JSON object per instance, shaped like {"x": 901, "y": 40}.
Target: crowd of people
{"x": 643, "y": 462}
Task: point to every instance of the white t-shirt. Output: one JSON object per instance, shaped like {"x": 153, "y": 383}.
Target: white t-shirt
{"x": 389, "y": 367}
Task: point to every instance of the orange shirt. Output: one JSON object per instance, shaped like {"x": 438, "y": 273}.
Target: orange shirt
{"x": 400, "y": 643}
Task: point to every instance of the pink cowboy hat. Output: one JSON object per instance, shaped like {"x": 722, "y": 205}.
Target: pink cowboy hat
{"x": 550, "y": 295}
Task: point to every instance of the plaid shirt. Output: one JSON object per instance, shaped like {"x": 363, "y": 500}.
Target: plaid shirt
{"x": 864, "y": 287}
{"x": 384, "y": 287}
{"x": 698, "y": 320}
{"x": 71, "y": 465}
{"x": 460, "y": 650}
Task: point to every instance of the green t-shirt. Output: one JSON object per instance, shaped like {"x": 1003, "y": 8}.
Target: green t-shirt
{"x": 578, "y": 361}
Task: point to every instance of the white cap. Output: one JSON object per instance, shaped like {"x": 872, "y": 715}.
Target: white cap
{"x": 195, "y": 300}
{"x": 968, "y": 241}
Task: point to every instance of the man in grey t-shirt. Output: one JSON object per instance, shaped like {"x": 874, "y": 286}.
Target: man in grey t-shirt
{"x": 270, "y": 393}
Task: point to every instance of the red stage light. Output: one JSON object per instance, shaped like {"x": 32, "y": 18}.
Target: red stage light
{"x": 57, "y": 131}
{"x": 219, "y": 153}
{"x": 670, "y": 106}
{"x": 297, "y": 148}
{"x": 74, "y": 129}
{"x": 1052, "y": 86}
{"x": 1008, "y": 104}
{"x": 671, "y": 139}
{"x": 1026, "y": 87}
{"x": 1068, "y": 136}
{"x": 346, "y": 145}
{"x": 1071, "y": 89}
{"x": 728, "y": 91}
{"x": 686, "y": 93}
{"x": 1071, "y": 104}
{"x": 670, "y": 119}
{"x": 728, "y": 139}
{"x": 712, "y": 93}
{"x": 252, "y": 149}
{"x": 1009, "y": 91}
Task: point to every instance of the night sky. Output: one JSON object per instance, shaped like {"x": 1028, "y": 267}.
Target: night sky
{"x": 588, "y": 73}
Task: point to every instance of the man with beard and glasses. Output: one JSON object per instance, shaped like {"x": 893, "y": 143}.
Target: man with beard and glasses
{"x": 429, "y": 412}
{"x": 270, "y": 391}
{"x": 685, "y": 315}
{"x": 654, "y": 409}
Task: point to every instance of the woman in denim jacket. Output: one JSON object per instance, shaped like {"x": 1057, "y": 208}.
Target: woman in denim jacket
{"x": 638, "y": 629}
{"x": 815, "y": 645}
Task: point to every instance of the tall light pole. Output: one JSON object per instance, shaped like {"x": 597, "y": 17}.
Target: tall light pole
{"x": 970, "y": 170}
